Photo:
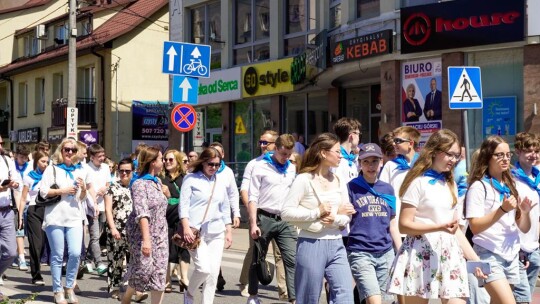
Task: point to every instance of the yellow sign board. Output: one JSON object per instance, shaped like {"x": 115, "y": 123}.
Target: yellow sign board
{"x": 239, "y": 128}
{"x": 267, "y": 78}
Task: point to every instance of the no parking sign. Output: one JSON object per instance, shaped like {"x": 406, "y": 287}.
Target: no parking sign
{"x": 183, "y": 117}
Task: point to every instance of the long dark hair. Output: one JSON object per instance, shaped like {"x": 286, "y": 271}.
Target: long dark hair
{"x": 206, "y": 154}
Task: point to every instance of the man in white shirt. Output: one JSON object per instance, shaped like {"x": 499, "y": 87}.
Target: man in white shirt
{"x": 22, "y": 165}
{"x": 267, "y": 142}
{"x": 10, "y": 180}
{"x": 101, "y": 179}
{"x": 225, "y": 175}
{"x": 271, "y": 180}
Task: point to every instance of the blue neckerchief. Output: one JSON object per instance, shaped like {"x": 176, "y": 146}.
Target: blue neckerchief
{"x": 462, "y": 188}
{"x": 222, "y": 167}
{"x": 361, "y": 182}
{"x": 69, "y": 169}
{"x": 402, "y": 163}
{"x": 347, "y": 156}
{"x": 503, "y": 190}
{"x": 136, "y": 164}
{"x": 147, "y": 176}
{"x": 520, "y": 174}
{"x": 36, "y": 175}
{"x": 281, "y": 168}
{"x": 436, "y": 176}
{"x": 21, "y": 169}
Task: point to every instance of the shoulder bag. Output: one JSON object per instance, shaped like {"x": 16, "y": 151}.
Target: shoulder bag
{"x": 178, "y": 237}
{"x": 49, "y": 201}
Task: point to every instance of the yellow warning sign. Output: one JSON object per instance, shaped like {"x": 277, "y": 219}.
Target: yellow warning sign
{"x": 239, "y": 125}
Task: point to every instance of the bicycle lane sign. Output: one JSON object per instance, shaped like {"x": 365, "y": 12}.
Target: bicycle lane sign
{"x": 187, "y": 59}
{"x": 183, "y": 117}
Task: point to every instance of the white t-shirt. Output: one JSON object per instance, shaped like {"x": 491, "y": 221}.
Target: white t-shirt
{"x": 395, "y": 177}
{"x": 433, "y": 202}
{"x": 529, "y": 240}
{"x": 99, "y": 177}
{"x": 32, "y": 193}
{"x": 23, "y": 174}
{"x": 502, "y": 238}
{"x": 68, "y": 212}
{"x": 227, "y": 178}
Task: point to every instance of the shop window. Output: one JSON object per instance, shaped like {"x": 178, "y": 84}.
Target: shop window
{"x": 367, "y": 8}
{"x": 40, "y": 95}
{"x": 252, "y": 31}
{"x": 317, "y": 118}
{"x": 206, "y": 29}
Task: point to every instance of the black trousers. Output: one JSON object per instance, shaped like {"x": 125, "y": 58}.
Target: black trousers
{"x": 36, "y": 238}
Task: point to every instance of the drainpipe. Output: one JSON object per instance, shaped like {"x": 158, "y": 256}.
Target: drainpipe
{"x": 11, "y": 106}
{"x": 102, "y": 82}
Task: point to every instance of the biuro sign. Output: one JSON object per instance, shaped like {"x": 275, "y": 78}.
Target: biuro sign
{"x": 267, "y": 78}
{"x": 456, "y": 24}
{"x": 374, "y": 44}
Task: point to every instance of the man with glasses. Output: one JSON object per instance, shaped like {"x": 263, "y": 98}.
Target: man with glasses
{"x": 267, "y": 144}
{"x": 101, "y": 180}
{"x": 270, "y": 182}
{"x": 9, "y": 181}
{"x": 225, "y": 175}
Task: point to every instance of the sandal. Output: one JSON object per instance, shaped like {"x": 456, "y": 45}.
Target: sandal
{"x": 168, "y": 288}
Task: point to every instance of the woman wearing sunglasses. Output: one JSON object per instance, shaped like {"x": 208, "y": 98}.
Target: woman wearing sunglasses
{"x": 495, "y": 212}
{"x": 118, "y": 206}
{"x": 172, "y": 177}
{"x": 63, "y": 221}
{"x": 147, "y": 229}
{"x": 204, "y": 205}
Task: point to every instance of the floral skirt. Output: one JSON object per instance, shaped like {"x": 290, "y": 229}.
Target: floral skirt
{"x": 430, "y": 266}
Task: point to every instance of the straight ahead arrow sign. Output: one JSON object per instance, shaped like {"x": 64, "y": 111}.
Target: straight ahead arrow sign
{"x": 185, "y": 86}
{"x": 196, "y": 53}
{"x": 171, "y": 53}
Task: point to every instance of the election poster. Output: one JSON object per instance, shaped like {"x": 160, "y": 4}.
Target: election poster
{"x": 150, "y": 123}
{"x": 421, "y": 86}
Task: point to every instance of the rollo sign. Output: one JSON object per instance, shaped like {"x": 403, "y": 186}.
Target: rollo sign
{"x": 267, "y": 78}
{"x": 26, "y": 136}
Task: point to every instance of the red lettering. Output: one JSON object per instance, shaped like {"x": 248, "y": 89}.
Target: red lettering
{"x": 382, "y": 45}
{"x": 350, "y": 52}
{"x": 479, "y": 21}
{"x": 496, "y": 19}
{"x": 442, "y": 25}
{"x": 356, "y": 51}
{"x": 510, "y": 17}
{"x": 460, "y": 24}
{"x": 365, "y": 49}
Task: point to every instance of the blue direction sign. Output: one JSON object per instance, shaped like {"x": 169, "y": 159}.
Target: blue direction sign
{"x": 183, "y": 117}
{"x": 185, "y": 90}
{"x": 186, "y": 59}
{"x": 464, "y": 88}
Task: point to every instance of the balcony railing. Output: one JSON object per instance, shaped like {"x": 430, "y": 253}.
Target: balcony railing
{"x": 87, "y": 111}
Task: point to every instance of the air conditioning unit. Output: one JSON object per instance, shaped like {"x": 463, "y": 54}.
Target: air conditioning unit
{"x": 41, "y": 32}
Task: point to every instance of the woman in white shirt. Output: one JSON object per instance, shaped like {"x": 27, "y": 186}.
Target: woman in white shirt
{"x": 318, "y": 204}
{"x": 431, "y": 261}
{"x": 63, "y": 221}
{"x": 34, "y": 219}
{"x": 200, "y": 192}
{"x": 495, "y": 213}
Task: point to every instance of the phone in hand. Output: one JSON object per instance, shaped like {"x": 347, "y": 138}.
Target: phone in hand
{"x": 483, "y": 265}
{"x": 5, "y": 182}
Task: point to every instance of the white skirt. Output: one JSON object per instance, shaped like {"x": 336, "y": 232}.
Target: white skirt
{"x": 430, "y": 266}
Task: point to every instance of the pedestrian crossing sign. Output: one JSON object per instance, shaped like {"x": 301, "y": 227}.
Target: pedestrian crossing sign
{"x": 464, "y": 88}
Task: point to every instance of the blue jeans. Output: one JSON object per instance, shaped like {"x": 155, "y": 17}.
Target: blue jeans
{"x": 524, "y": 290}
{"x": 318, "y": 258}
{"x": 371, "y": 272}
{"x": 73, "y": 236}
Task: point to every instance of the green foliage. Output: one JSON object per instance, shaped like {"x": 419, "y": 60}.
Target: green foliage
{"x": 30, "y": 298}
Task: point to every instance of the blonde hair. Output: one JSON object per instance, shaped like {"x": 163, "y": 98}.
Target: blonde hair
{"x": 57, "y": 157}
{"x": 179, "y": 169}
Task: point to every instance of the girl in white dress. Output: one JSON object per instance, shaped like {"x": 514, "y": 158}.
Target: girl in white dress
{"x": 431, "y": 262}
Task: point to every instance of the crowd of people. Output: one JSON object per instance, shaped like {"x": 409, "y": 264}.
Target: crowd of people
{"x": 366, "y": 223}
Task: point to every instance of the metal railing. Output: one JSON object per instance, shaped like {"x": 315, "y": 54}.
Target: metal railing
{"x": 86, "y": 116}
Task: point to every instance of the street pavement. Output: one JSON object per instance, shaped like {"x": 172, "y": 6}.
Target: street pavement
{"x": 18, "y": 285}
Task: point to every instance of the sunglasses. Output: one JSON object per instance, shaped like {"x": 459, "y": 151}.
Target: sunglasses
{"x": 185, "y": 161}
{"x": 265, "y": 142}
{"x": 213, "y": 165}
{"x": 70, "y": 150}
{"x": 124, "y": 171}
{"x": 170, "y": 160}
{"x": 398, "y": 140}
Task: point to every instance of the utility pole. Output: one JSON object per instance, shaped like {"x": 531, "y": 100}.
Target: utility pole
{"x": 72, "y": 113}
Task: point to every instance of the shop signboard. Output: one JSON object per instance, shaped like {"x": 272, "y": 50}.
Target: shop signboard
{"x": 29, "y": 136}
{"x": 499, "y": 116}
{"x": 421, "y": 96}
{"x": 150, "y": 120}
{"x": 89, "y": 137}
{"x": 312, "y": 61}
{"x": 375, "y": 44}
{"x": 223, "y": 85}
{"x": 55, "y": 135}
{"x": 198, "y": 131}
{"x": 456, "y": 24}
{"x": 267, "y": 78}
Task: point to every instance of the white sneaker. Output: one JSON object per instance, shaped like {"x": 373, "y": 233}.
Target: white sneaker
{"x": 253, "y": 300}
{"x": 1, "y": 281}
{"x": 244, "y": 290}
{"x": 188, "y": 299}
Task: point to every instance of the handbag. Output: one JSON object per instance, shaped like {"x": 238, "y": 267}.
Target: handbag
{"x": 264, "y": 269}
{"x": 178, "y": 237}
{"x": 49, "y": 201}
